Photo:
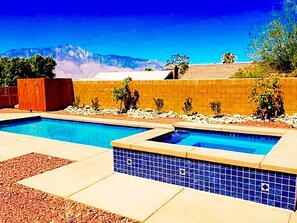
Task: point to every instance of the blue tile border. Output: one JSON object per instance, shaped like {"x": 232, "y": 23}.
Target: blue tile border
{"x": 266, "y": 187}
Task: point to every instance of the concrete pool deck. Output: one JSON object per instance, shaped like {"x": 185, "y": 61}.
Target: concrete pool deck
{"x": 91, "y": 181}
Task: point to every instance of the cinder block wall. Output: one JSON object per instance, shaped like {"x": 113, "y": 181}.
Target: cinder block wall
{"x": 232, "y": 93}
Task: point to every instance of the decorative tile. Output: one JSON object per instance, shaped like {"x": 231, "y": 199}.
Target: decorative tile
{"x": 265, "y": 187}
{"x": 261, "y": 186}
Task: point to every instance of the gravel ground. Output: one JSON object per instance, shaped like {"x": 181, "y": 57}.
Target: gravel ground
{"x": 276, "y": 124}
{"x": 20, "y": 204}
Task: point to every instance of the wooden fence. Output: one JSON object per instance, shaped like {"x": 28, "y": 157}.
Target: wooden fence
{"x": 8, "y": 97}
{"x": 41, "y": 94}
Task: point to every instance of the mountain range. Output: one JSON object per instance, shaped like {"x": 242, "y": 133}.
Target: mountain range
{"x": 75, "y": 62}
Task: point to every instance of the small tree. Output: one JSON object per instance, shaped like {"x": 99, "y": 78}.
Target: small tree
{"x": 182, "y": 61}
{"x": 188, "y": 105}
{"x": 268, "y": 98}
{"x": 124, "y": 95}
{"x": 159, "y": 104}
{"x": 228, "y": 58}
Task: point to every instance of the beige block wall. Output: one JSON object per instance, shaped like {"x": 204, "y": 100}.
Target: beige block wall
{"x": 232, "y": 93}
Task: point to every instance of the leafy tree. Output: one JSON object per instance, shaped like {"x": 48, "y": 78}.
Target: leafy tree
{"x": 182, "y": 61}
{"x": 42, "y": 67}
{"x": 4, "y": 73}
{"x": 36, "y": 66}
{"x": 228, "y": 58}
{"x": 275, "y": 43}
{"x": 148, "y": 69}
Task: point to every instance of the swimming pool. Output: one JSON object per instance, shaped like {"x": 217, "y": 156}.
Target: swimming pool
{"x": 93, "y": 134}
{"x": 245, "y": 143}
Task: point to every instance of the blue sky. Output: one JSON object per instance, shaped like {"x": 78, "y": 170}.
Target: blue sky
{"x": 204, "y": 30}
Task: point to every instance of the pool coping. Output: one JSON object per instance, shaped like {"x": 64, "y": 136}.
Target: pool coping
{"x": 141, "y": 124}
{"x": 282, "y": 157}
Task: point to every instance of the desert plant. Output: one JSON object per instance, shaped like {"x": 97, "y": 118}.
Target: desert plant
{"x": 159, "y": 104}
{"x": 216, "y": 108}
{"x": 95, "y": 103}
{"x": 188, "y": 105}
{"x": 268, "y": 98}
{"x": 131, "y": 101}
{"x": 76, "y": 101}
{"x": 124, "y": 95}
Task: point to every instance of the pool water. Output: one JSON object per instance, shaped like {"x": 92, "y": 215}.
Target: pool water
{"x": 245, "y": 143}
{"x": 70, "y": 131}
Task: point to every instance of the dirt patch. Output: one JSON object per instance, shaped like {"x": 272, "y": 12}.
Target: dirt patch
{"x": 23, "y": 204}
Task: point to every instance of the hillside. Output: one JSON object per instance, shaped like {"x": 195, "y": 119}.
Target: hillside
{"x": 75, "y": 62}
{"x": 212, "y": 71}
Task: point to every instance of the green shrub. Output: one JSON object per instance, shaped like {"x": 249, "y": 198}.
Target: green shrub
{"x": 159, "y": 104}
{"x": 252, "y": 71}
{"x": 188, "y": 105}
{"x": 124, "y": 95}
{"x": 216, "y": 108}
{"x": 268, "y": 98}
{"x": 76, "y": 101}
{"x": 292, "y": 74}
{"x": 95, "y": 103}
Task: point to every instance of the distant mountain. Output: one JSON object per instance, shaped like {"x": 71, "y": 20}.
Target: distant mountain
{"x": 75, "y": 62}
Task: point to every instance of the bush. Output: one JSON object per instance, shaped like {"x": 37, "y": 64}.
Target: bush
{"x": 124, "y": 95}
{"x": 76, "y": 102}
{"x": 216, "y": 108}
{"x": 159, "y": 104}
{"x": 95, "y": 103}
{"x": 268, "y": 98}
{"x": 292, "y": 74}
{"x": 188, "y": 105}
{"x": 255, "y": 70}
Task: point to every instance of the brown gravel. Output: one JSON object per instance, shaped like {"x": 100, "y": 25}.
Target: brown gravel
{"x": 277, "y": 124}
{"x": 20, "y": 204}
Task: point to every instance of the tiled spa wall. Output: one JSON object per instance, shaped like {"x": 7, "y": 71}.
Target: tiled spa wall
{"x": 266, "y": 187}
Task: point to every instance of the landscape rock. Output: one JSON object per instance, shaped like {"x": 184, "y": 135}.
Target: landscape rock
{"x": 200, "y": 118}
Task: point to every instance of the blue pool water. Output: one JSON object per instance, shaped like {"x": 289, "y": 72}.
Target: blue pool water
{"x": 78, "y": 132}
{"x": 245, "y": 143}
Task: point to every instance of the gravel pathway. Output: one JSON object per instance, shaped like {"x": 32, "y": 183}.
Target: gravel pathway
{"x": 20, "y": 204}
